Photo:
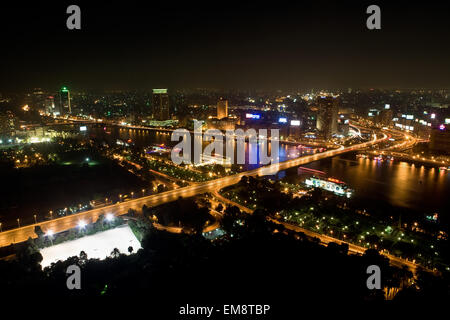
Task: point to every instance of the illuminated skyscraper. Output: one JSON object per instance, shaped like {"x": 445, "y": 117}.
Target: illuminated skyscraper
{"x": 49, "y": 105}
{"x": 64, "y": 101}
{"x": 440, "y": 139}
{"x": 222, "y": 109}
{"x": 160, "y": 104}
{"x": 385, "y": 117}
{"x": 7, "y": 123}
{"x": 327, "y": 116}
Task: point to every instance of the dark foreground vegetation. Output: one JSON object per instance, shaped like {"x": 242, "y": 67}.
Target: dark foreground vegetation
{"x": 256, "y": 262}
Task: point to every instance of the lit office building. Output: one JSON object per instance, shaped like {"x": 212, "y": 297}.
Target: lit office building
{"x": 160, "y": 104}
{"x": 64, "y": 101}
{"x": 49, "y": 105}
{"x": 440, "y": 139}
{"x": 7, "y": 124}
{"x": 222, "y": 109}
{"x": 327, "y": 116}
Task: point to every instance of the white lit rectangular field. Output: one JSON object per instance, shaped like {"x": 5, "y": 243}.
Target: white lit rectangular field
{"x": 97, "y": 246}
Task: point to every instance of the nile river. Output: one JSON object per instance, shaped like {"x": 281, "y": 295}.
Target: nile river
{"x": 382, "y": 184}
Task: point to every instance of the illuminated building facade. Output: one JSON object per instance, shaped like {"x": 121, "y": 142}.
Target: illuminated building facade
{"x": 160, "y": 104}
{"x": 440, "y": 139}
{"x": 222, "y": 109}
{"x": 64, "y": 101}
{"x": 327, "y": 116}
{"x": 7, "y": 123}
{"x": 49, "y": 105}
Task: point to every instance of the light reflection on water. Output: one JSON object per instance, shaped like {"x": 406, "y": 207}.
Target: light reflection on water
{"x": 401, "y": 184}
{"x": 143, "y": 138}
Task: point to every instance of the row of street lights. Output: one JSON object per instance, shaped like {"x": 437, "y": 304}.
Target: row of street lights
{"x": 81, "y": 225}
{"x": 51, "y": 212}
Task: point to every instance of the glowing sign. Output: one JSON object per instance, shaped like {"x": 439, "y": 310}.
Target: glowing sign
{"x": 447, "y": 120}
{"x": 387, "y": 106}
{"x": 252, "y": 116}
{"x": 295, "y": 123}
{"x": 441, "y": 127}
{"x": 159, "y": 91}
{"x": 83, "y": 128}
{"x": 433, "y": 115}
{"x": 409, "y": 117}
{"x": 282, "y": 120}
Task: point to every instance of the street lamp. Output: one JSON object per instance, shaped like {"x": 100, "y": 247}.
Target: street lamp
{"x": 81, "y": 224}
{"x": 51, "y": 214}
{"x": 18, "y": 222}
{"x": 49, "y": 235}
{"x": 35, "y": 221}
{"x": 1, "y": 227}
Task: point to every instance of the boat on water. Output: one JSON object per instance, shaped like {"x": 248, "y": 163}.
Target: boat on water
{"x": 157, "y": 148}
{"x": 330, "y": 184}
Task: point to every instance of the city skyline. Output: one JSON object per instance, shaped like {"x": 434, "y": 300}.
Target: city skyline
{"x": 185, "y": 154}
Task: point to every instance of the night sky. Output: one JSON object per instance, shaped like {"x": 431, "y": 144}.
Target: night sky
{"x": 277, "y": 45}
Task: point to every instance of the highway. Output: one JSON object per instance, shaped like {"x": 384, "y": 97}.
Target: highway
{"x": 64, "y": 223}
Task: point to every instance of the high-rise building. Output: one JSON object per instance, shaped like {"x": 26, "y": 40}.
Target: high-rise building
{"x": 38, "y": 99}
{"x": 440, "y": 139}
{"x": 49, "y": 105}
{"x": 64, "y": 101}
{"x": 7, "y": 123}
{"x": 222, "y": 109}
{"x": 385, "y": 117}
{"x": 160, "y": 104}
{"x": 327, "y": 115}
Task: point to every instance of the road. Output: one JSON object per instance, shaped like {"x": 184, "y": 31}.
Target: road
{"x": 68, "y": 222}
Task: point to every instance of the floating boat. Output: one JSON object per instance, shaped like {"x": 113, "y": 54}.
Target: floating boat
{"x": 330, "y": 184}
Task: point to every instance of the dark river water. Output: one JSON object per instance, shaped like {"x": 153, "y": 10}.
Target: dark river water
{"x": 396, "y": 184}
{"x": 144, "y": 138}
